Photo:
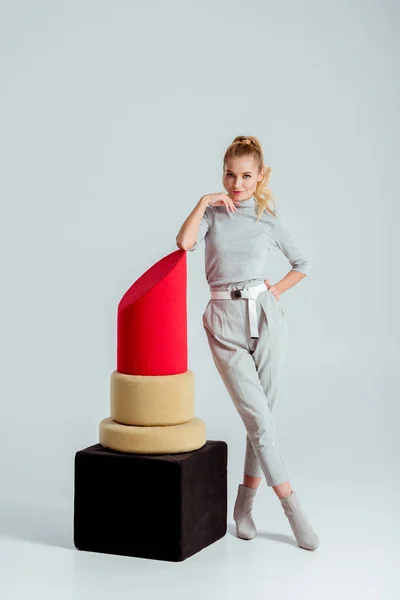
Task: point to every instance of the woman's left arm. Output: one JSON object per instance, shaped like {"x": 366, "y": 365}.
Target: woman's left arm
{"x": 284, "y": 284}
{"x": 301, "y": 266}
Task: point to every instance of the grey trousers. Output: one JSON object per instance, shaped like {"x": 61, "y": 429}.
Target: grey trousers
{"x": 251, "y": 371}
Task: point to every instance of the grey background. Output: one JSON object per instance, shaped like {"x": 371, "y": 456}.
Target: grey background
{"x": 114, "y": 120}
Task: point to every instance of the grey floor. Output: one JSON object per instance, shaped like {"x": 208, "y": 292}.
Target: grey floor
{"x": 357, "y": 558}
{"x": 344, "y": 465}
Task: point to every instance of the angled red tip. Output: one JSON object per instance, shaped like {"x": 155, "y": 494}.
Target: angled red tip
{"x": 152, "y": 320}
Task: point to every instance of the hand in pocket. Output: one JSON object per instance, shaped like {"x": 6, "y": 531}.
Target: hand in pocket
{"x": 272, "y": 289}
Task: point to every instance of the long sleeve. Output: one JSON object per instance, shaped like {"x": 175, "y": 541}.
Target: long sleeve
{"x": 204, "y": 226}
{"x": 286, "y": 243}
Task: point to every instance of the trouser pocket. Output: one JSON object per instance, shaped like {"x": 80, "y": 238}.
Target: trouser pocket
{"x": 278, "y": 304}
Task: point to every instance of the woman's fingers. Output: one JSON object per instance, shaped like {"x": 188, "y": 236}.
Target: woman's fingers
{"x": 229, "y": 205}
{"x": 275, "y": 292}
{"x": 272, "y": 289}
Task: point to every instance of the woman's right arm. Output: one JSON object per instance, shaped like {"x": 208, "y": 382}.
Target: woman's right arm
{"x": 187, "y": 234}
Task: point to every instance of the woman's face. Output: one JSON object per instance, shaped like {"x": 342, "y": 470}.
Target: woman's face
{"x": 241, "y": 174}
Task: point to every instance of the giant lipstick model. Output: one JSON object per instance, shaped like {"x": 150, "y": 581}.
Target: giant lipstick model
{"x": 152, "y": 391}
{"x": 154, "y": 487}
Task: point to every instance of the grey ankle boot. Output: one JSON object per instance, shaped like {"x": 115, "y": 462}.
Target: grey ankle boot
{"x": 245, "y": 527}
{"x": 304, "y": 533}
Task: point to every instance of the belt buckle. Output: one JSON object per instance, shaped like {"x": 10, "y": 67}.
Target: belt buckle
{"x": 236, "y": 294}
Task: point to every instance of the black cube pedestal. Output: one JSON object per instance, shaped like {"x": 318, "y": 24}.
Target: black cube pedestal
{"x": 164, "y": 506}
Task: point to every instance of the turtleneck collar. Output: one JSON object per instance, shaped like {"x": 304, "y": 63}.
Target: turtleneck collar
{"x": 246, "y": 203}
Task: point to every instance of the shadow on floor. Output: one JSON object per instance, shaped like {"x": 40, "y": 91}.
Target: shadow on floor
{"x": 277, "y": 537}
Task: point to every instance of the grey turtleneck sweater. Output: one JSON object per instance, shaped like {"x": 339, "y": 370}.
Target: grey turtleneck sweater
{"x": 237, "y": 245}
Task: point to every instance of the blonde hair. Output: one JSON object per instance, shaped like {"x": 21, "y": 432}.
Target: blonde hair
{"x": 248, "y": 145}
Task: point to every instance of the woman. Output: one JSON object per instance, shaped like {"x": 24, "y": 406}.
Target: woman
{"x": 244, "y": 322}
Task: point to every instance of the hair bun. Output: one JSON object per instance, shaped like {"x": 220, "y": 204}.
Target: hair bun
{"x": 242, "y": 139}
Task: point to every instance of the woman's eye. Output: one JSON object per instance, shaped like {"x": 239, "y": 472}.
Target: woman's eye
{"x": 229, "y": 174}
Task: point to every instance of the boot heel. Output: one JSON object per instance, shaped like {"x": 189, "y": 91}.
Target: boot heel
{"x": 303, "y": 532}
{"x": 245, "y": 527}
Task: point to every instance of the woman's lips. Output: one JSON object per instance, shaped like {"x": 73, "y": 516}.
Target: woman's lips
{"x": 238, "y": 192}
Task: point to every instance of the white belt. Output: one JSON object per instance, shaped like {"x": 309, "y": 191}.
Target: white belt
{"x": 250, "y": 294}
